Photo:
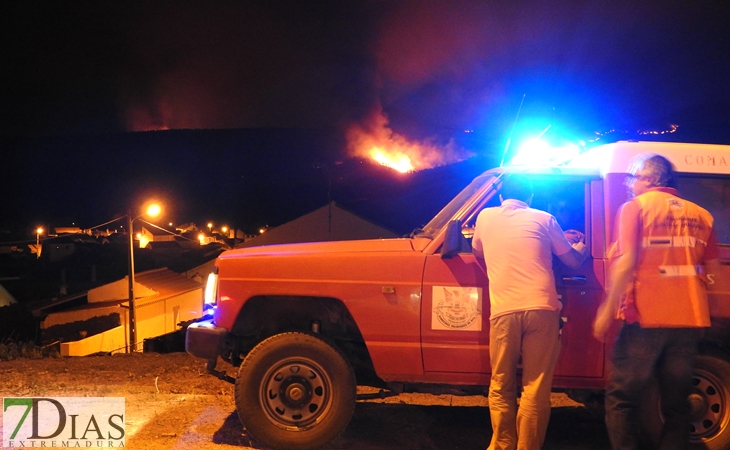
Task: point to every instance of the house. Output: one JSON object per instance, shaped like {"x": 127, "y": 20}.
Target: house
{"x": 67, "y": 230}
{"x": 164, "y": 299}
{"x": 188, "y": 240}
{"x": 171, "y": 249}
{"x": 154, "y": 234}
{"x": 186, "y": 236}
{"x": 6, "y": 298}
{"x": 7, "y": 249}
{"x": 58, "y": 248}
{"x": 200, "y": 273}
{"x": 328, "y": 223}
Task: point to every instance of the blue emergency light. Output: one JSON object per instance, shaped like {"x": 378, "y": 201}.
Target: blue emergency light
{"x": 536, "y": 152}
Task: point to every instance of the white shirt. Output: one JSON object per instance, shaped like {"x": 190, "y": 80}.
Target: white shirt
{"x": 517, "y": 243}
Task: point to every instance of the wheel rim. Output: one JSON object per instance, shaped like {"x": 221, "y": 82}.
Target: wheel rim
{"x": 708, "y": 406}
{"x": 295, "y": 393}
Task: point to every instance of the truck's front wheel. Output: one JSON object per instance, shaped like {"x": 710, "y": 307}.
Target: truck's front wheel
{"x": 295, "y": 391}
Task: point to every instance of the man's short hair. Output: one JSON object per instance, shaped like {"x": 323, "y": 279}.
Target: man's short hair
{"x": 656, "y": 165}
{"x": 517, "y": 187}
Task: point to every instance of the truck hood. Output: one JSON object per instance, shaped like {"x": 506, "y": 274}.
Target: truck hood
{"x": 361, "y": 246}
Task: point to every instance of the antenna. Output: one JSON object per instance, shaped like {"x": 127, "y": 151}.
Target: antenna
{"x": 514, "y": 124}
{"x": 544, "y": 131}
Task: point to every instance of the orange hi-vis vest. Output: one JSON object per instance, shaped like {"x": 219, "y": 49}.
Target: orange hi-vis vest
{"x": 668, "y": 291}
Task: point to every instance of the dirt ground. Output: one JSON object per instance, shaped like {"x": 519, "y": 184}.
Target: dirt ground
{"x": 172, "y": 403}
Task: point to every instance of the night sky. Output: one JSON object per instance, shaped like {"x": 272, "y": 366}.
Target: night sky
{"x": 83, "y": 80}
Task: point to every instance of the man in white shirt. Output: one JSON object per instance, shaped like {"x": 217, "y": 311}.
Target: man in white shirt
{"x": 515, "y": 244}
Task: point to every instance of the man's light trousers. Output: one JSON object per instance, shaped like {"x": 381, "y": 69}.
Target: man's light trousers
{"x": 535, "y": 337}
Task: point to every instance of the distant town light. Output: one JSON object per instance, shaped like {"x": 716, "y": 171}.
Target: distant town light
{"x": 38, "y": 233}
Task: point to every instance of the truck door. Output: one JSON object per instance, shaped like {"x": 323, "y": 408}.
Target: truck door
{"x": 581, "y": 289}
{"x": 455, "y": 316}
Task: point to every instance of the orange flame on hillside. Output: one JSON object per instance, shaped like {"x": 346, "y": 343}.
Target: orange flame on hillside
{"x": 375, "y": 140}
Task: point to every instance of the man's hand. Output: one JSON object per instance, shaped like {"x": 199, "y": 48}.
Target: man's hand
{"x": 576, "y": 256}
{"x": 574, "y": 236}
{"x": 604, "y": 319}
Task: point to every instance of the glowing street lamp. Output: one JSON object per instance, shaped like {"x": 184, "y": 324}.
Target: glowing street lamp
{"x": 210, "y": 227}
{"x": 38, "y": 233}
{"x": 152, "y": 211}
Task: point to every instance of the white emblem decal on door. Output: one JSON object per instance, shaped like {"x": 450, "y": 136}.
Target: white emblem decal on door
{"x": 456, "y": 308}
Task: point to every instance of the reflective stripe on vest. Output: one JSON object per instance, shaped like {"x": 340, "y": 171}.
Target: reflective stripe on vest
{"x": 678, "y": 271}
{"x": 671, "y": 241}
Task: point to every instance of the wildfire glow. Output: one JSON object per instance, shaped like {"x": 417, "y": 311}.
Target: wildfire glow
{"x": 373, "y": 139}
{"x": 399, "y": 162}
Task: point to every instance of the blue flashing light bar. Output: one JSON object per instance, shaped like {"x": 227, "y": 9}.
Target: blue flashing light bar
{"x": 538, "y": 153}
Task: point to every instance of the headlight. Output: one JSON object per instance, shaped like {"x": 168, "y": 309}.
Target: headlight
{"x": 211, "y": 288}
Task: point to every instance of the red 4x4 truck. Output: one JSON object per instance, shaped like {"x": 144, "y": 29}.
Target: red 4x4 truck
{"x": 307, "y": 323}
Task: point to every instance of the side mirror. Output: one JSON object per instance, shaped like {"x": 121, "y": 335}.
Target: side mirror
{"x": 453, "y": 241}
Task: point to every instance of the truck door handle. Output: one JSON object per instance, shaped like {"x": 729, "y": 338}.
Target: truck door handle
{"x": 576, "y": 279}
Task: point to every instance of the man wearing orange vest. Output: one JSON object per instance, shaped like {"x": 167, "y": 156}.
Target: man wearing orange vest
{"x": 657, "y": 287}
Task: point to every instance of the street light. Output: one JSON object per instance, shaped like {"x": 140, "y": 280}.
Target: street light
{"x": 152, "y": 210}
{"x": 38, "y": 233}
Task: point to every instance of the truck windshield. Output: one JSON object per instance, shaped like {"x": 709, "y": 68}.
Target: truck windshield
{"x": 457, "y": 203}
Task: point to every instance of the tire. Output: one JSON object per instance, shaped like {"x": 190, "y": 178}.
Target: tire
{"x": 295, "y": 391}
{"x": 709, "y": 403}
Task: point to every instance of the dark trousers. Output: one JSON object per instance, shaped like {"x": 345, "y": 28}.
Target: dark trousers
{"x": 640, "y": 355}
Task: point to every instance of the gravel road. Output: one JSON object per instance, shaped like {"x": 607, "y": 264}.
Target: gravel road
{"x": 172, "y": 403}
